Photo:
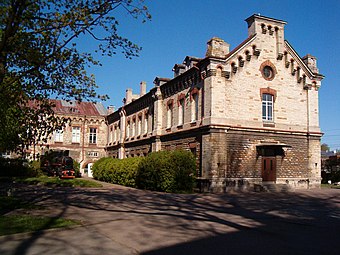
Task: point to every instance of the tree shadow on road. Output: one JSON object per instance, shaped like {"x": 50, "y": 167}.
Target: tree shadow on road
{"x": 232, "y": 223}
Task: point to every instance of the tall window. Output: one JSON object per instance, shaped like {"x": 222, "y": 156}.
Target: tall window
{"x": 128, "y": 129}
{"x": 115, "y": 134}
{"x": 146, "y": 119}
{"x": 181, "y": 109}
{"x": 93, "y": 135}
{"x": 169, "y": 115}
{"x": 75, "y": 134}
{"x": 133, "y": 131}
{"x": 194, "y": 107}
{"x": 267, "y": 107}
{"x": 58, "y": 136}
{"x": 139, "y": 125}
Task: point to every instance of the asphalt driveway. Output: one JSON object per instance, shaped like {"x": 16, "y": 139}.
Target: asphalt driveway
{"x": 119, "y": 220}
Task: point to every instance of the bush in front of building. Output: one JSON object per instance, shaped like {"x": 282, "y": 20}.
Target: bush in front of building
{"x": 117, "y": 171}
{"x": 169, "y": 171}
{"x": 19, "y": 168}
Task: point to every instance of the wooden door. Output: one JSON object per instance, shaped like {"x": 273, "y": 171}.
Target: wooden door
{"x": 268, "y": 169}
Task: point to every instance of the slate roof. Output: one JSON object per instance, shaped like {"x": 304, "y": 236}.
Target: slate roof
{"x": 79, "y": 108}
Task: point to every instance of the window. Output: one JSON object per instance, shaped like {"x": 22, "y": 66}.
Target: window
{"x": 93, "y": 135}
{"x": 181, "y": 109}
{"x": 133, "y": 131}
{"x": 92, "y": 154}
{"x": 169, "y": 115}
{"x": 146, "y": 118}
{"x": 267, "y": 107}
{"x": 128, "y": 130}
{"x": 58, "y": 136}
{"x": 194, "y": 107}
{"x": 139, "y": 125}
{"x": 75, "y": 134}
{"x": 115, "y": 134}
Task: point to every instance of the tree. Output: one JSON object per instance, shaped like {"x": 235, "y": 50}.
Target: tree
{"x": 39, "y": 58}
{"x": 325, "y": 147}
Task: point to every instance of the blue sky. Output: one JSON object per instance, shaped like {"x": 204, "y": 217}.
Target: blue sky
{"x": 181, "y": 28}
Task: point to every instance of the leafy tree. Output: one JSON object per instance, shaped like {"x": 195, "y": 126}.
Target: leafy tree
{"x": 39, "y": 58}
{"x": 325, "y": 147}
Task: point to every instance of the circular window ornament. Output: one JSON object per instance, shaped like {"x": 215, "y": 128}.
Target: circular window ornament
{"x": 268, "y": 73}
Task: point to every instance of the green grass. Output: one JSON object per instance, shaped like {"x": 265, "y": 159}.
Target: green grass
{"x": 12, "y": 224}
{"x": 57, "y": 182}
{"x": 330, "y": 186}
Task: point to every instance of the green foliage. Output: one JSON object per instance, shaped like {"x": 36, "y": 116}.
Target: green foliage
{"x": 159, "y": 171}
{"x": 325, "y": 147}
{"x": 39, "y": 58}
{"x": 11, "y": 224}
{"x": 76, "y": 168}
{"x": 18, "y": 168}
{"x": 333, "y": 176}
{"x": 167, "y": 171}
{"x": 117, "y": 171}
{"x": 57, "y": 182}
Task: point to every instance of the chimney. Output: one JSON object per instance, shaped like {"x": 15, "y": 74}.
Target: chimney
{"x": 110, "y": 109}
{"x": 128, "y": 96}
{"x": 217, "y": 48}
{"x": 310, "y": 61}
{"x": 142, "y": 88}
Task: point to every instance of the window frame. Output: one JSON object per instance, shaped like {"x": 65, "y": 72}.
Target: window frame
{"x": 76, "y": 134}
{"x": 58, "y": 135}
{"x": 267, "y": 107}
{"x": 93, "y": 135}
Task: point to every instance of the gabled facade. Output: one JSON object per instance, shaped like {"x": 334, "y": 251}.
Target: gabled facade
{"x": 85, "y": 133}
{"x": 250, "y": 115}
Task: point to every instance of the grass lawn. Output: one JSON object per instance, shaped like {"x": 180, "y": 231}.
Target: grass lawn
{"x": 57, "y": 182}
{"x": 330, "y": 186}
{"x": 12, "y": 224}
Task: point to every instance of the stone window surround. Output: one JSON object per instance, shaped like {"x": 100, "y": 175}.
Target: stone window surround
{"x": 272, "y": 66}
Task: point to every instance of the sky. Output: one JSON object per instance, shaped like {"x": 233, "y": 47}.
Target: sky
{"x": 181, "y": 28}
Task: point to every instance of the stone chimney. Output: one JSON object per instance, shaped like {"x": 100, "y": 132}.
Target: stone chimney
{"x": 217, "y": 48}
{"x": 310, "y": 61}
{"x": 128, "y": 96}
{"x": 142, "y": 88}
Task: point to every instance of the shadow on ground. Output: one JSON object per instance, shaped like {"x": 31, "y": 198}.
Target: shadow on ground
{"x": 148, "y": 223}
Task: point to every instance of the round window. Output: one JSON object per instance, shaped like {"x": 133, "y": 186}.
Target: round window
{"x": 268, "y": 73}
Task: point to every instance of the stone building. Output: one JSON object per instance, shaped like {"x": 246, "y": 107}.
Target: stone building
{"x": 250, "y": 115}
{"x": 85, "y": 133}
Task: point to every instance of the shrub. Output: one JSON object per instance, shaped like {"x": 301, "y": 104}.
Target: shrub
{"x": 118, "y": 171}
{"x": 167, "y": 171}
{"x": 18, "y": 168}
{"x": 155, "y": 172}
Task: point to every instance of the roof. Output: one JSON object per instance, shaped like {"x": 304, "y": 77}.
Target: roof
{"x": 79, "y": 108}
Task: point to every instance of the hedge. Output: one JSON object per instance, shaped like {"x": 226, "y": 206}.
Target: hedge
{"x": 19, "y": 168}
{"x": 117, "y": 171}
{"x": 169, "y": 171}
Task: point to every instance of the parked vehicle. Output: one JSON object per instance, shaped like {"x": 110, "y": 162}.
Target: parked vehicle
{"x": 57, "y": 163}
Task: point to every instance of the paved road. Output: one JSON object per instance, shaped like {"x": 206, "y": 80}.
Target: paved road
{"x": 119, "y": 220}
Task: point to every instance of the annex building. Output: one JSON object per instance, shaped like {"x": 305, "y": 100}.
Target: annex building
{"x": 250, "y": 115}
{"x": 84, "y": 136}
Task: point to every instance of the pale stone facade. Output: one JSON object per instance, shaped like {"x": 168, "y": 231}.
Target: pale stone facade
{"x": 250, "y": 115}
